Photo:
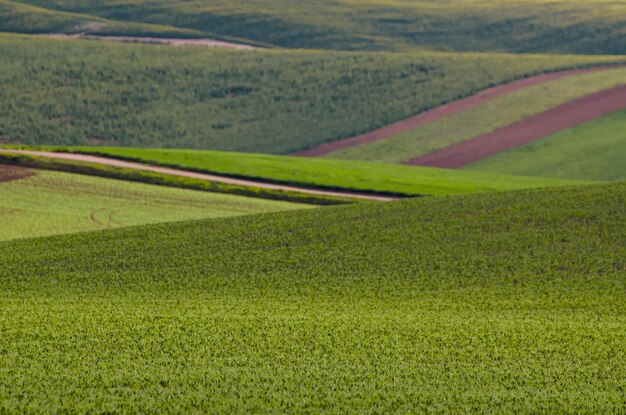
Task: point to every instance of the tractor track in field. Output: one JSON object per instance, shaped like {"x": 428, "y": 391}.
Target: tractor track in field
{"x": 535, "y": 127}
{"x": 445, "y": 110}
{"x": 202, "y": 176}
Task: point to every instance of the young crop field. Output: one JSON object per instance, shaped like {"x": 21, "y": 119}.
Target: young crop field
{"x": 326, "y": 173}
{"x": 73, "y": 92}
{"x": 562, "y": 26}
{"x": 595, "y": 150}
{"x": 43, "y": 203}
{"x": 484, "y": 118}
{"x": 24, "y": 18}
{"x": 252, "y": 228}
{"x": 511, "y": 301}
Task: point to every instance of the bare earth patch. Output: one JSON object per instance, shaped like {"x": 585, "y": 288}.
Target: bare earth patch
{"x": 208, "y": 43}
{"x": 443, "y": 111}
{"x": 532, "y": 128}
{"x": 9, "y": 173}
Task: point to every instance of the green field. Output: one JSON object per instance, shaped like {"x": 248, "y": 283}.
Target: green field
{"x": 51, "y": 203}
{"x": 512, "y": 302}
{"x": 24, "y": 18}
{"x": 327, "y": 173}
{"x": 71, "y": 92}
{"x": 182, "y": 181}
{"x": 497, "y": 288}
{"x": 561, "y": 26}
{"x": 595, "y": 150}
{"x": 485, "y": 118}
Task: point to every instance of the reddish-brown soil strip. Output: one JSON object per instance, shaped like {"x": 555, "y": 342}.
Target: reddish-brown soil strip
{"x": 532, "y": 128}
{"x": 202, "y": 176}
{"x": 443, "y": 111}
{"x": 208, "y": 43}
{"x": 9, "y": 173}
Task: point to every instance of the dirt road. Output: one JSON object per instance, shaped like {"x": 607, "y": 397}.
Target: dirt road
{"x": 443, "y": 111}
{"x": 532, "y": 128}
{"x": 202, "y": 176}
{"x": 208, "y": 43}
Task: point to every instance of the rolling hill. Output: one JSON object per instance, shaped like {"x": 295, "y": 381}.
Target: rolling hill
{"x": 520, "y": 26}
{"x": 512, "y": 301}
{"x": 78, "y": 92}
{"x": 161, "y": 245}
{"x": 41, "y": 203}
{"x": 484, "y": 118}
{"x": 19, "y": 17}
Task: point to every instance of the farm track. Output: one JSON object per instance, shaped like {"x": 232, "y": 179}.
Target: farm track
{"x": 10, "y": 173}
{"x": 443, "y": 111}
{"x": 565, "y": 116}
{"x": 107, "y": 214}
{"x": 202, "y": 176}
{"x": 207, "y": 43}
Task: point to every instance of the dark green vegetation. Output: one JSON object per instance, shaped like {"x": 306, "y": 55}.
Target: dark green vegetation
{"x": 511, "y": 301}
{"x": 325, "y": 173}
{"x": 595, "y": 150}
{"x": 112, "y": 172}
{"x": 562, "y": 26}
{"x": 24, "y": 18}
{"x": 51, "y": 203}
{"x": 94, "y": 93}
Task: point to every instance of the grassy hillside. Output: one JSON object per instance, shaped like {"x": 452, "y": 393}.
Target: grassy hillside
{"x": 95, "y": 93}
{"x": 50, "y": 203}
{"x": 24, "y": 18}
{"x": 484, "y": 118}
{"x": 595, "y": 150}
{"x": 511, "y": 301}
{"x": 318, "y": 172}
{"x": 562, "y": 26}
{"x": 18, "y": 17}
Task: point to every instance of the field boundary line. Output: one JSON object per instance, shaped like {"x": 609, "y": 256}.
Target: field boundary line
{"x": 535, "y": 127}
{"x": 445, "y": 110}
{"x": 214, "y": 178}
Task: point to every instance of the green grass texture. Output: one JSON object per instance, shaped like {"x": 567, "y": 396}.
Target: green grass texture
{"x": 511, "y": 302}
{"x": 23, "y": 18}
{"x": 595, "y": 150}
{"x": 484, "y": 118}
{"x": 521, "y": 26}
{"x": 326, "y": 173}
{"x": 51, "y": 203}
{"x": 71, "y": 92}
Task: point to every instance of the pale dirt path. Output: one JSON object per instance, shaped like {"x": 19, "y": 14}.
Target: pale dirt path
{"x": 437, "y": 113}
{"x": 532, "y": 128}
{"x": 207, "y": 43}
{"x": 202, "y": 176}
